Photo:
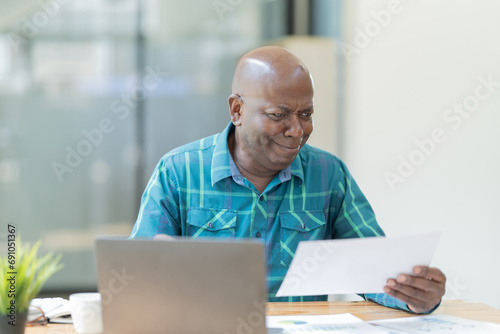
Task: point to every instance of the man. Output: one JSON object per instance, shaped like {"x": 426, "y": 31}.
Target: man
{"x": 259, "y": 179}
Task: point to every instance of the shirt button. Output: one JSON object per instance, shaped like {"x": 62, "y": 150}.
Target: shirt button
{"x": 303, "y": 226}
{"x": 261, "y": 198}
{"x": 257, "y": 234}
{"x": 210, "y": 225}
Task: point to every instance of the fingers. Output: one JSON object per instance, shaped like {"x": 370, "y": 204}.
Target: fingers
{"x": 423, "y": 303}
{"x": 420, "y": 283}
{"x": 430, "y": 273}
{"x": 421, "y": 291}
{"x": 411, "y": 290}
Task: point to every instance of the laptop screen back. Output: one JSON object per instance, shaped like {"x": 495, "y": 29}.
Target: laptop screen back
{"x": 181, "y": 286}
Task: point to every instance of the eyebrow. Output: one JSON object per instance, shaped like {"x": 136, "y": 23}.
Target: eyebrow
{"x": 287, "y": 109}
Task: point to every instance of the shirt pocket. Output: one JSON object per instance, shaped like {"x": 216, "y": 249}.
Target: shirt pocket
{"x": 299, "y": 226}
{"x": 220, "y": 223}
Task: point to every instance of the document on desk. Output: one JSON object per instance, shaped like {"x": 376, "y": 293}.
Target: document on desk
{"x": 360, "y": 265}
{"x": 338, "y": 323}
{"x": 354, "y": 328}
{"x": 438, "y": 324}
{"x": 290, "y": 321}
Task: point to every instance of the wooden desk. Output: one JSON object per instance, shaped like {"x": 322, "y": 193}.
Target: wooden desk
{"x": 363, "y": 310}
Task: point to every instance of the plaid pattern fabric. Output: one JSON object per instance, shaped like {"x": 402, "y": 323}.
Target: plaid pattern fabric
{"x": 196, "y": 191}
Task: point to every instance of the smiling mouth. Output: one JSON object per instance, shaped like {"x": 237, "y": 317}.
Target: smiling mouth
{"x": 293, "y": 149}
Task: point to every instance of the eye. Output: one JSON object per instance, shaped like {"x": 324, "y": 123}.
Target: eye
{"x": 277, "y": 115}
{"x": 306, "y": 114}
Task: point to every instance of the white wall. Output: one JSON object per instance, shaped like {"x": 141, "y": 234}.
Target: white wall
{"x": 400, "y": 83}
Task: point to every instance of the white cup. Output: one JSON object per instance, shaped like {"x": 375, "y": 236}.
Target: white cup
{"x": 86, "y": 312}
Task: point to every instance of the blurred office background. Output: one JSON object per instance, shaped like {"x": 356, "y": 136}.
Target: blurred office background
{"x": 93, "y": 93}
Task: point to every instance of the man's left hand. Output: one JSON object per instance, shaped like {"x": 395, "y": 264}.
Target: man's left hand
{"x": 421, "y": 291}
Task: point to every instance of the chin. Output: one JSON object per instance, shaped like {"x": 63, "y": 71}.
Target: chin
{"x": 280, "y": 164}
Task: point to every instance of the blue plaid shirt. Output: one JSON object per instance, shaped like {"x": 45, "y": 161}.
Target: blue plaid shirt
{"x": 197, "y": 191}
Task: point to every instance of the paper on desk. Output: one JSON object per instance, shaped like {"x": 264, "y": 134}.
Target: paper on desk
{"x": 354, "y": 328}
{"x": 284, "y": 321}
{"x": 338, "y": 323}
{"x": 437, "y": 324}
{"x": 360, "y": 265}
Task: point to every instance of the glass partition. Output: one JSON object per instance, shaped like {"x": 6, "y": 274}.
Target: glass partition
{"x": 93, "y": 93}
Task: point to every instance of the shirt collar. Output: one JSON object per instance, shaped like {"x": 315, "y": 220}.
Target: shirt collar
{"x": 220, "y": 159}
{"x": 223, "y": 165}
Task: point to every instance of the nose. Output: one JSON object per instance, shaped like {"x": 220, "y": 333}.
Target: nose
{"x": 294, "y": 127}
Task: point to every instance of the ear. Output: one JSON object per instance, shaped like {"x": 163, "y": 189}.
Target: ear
{"x": 235, "y": 107}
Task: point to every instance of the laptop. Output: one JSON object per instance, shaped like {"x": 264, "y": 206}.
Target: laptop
{"x": 181, "y": 286}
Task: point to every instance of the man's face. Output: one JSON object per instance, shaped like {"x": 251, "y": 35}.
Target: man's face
{"x": 276, "y": 122}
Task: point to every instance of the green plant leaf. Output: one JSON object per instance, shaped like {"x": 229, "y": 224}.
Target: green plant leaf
{"x": 31, "y": 274}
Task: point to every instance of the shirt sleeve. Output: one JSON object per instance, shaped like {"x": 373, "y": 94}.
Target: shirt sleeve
{"x": 159, "y": 210}
{"x": 386, "y": 300}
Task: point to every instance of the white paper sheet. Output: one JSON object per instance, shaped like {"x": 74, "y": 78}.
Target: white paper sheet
{"x": 360, "y": 265}
{"x": 330, "y": 323}
{"x": 285, "y": 321}
{"x": 437, "y": 324}
{"x": 354, "y": 328}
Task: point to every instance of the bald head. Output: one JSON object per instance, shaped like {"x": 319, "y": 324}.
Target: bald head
{"x": 271, "y": 109}
{"x": 260, "y": 69}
